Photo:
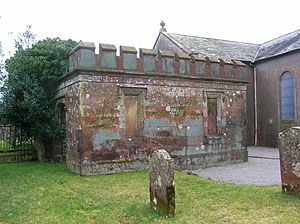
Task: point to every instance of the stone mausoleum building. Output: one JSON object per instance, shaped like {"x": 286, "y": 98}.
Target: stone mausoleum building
{"x": 120, "y": 108}
{"x": 201, "y": 99}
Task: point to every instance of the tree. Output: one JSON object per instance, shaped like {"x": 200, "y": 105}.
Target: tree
{"x": 26, "y": 39}
{"x": 2, "y": 76}
{"x": 30, "y": 88}
{"x": 1, "y": 64}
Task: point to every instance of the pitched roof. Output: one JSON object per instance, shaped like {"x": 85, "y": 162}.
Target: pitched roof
{"x": 214, "y": 48}
{"x": 278, "y": 46}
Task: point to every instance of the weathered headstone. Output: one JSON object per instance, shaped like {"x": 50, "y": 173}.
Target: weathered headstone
{"x": 289, "y": 149}
{"x": 162, "y": 183}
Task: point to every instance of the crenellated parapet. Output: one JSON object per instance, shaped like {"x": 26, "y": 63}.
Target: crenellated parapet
{"x": 83, "y": 56}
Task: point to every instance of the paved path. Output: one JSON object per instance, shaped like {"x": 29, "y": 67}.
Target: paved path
{"x": 262, "y": 168}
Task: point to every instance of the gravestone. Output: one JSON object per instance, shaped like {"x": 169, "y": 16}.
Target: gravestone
{"x": 162, "y": 183}
{"x": 289, "y": 150}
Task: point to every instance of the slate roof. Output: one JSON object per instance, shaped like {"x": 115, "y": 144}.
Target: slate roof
{"x": 278, "y": 46}
{"x": 214, "y": 48}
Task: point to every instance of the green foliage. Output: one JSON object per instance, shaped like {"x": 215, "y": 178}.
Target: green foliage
{"x": 29, "y": 91}
{"x": 17, "y": 145}
{"x": 4, "y": 145}
{"x": 49, "y": 193}
{"x": 26, "y": 39}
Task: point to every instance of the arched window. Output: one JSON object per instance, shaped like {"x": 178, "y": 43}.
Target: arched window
{"x": 287, "y": 89}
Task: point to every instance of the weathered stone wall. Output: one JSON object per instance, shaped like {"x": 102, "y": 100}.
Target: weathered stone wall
{"x": 171, "y": 112}
{"x": 69, "y": 95}
{"x": 245, "y": 73}
{"x": 289, "y": 148}
{"x": 268, "y": 96}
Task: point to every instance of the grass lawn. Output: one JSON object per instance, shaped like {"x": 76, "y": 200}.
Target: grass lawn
{"x": 49, "y": 193}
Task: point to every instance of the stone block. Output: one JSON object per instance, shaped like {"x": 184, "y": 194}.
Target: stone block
{"x": 200, "y": 64}
{"x": 214, "y": 66}
{"x": 83, "y": 55}
{"x": 87, "y": 58}
{"x": 200, "y": 68}
{"x": 167, "y": 60}
{"x": 215, "y": 69}
{"x": 162, "y": 183}
{"x": 129, "y": 57}
{"x": 228, "y": 71}
{"x": 226, "y": 67}
{"x": 108, "y": 56}
{"x": 149, "y": 57}
{"x": 289, "y": 150}
{"x": 184, "y": 62}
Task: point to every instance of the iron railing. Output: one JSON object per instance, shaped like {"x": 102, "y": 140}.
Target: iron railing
{"x": 16, "y": 145}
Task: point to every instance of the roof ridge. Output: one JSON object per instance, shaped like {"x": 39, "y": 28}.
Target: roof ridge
{"x": 285, "y": 35}
{"x": 256, "y": 53}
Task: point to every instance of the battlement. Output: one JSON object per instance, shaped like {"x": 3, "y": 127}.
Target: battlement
{"x": 83, "y": 56}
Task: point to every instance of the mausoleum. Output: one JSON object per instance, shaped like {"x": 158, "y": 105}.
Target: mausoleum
{"x": 118, "y": 109}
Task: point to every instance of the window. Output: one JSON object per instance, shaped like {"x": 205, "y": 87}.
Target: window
{"x": 287, "y": 93}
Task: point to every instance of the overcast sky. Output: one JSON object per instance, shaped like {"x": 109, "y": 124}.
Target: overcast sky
{"x": 136, "y": 22}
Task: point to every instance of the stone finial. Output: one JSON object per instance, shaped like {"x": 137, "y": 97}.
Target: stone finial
{"x": 162, "y": 184}
{"x": 162, "y": 29}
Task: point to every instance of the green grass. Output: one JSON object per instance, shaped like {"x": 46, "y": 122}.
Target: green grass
{"x": 49, "y": 193}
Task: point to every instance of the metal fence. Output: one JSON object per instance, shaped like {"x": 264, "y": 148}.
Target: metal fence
{"x": 15, "y": 145}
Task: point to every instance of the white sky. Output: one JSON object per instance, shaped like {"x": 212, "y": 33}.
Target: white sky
{"x": 136, "y": 22}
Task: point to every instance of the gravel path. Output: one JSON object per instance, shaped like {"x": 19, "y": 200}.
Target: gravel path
{"x": 262, "y": 168}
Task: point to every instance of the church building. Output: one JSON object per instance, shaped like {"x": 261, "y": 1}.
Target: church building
{"x": 273, "y": 72}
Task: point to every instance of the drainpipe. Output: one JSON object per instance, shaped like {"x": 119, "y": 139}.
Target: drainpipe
{"x": 255, "y": 106}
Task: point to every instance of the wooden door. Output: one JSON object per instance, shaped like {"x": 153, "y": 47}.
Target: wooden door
{"x": 131, "y": 116}
{"x": 212, "y": 115}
